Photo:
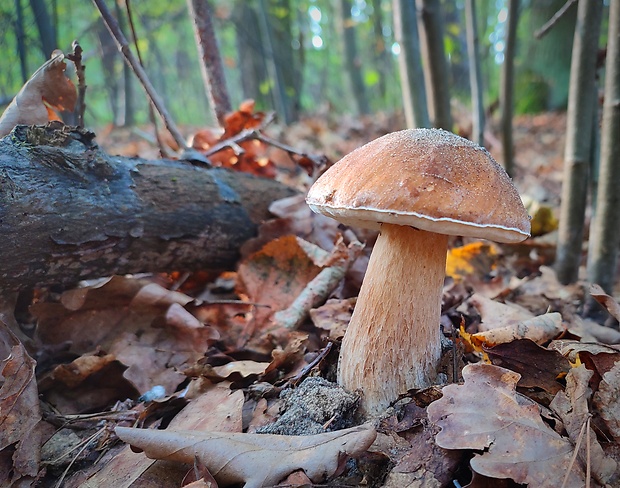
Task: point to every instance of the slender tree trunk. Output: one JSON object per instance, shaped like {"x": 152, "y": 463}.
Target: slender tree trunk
{"x": 606, "y": 230}
{"x": 285, "y": 61}
{"x": 475, "y": 74}
{"x": 352, "y": 61}
{"x": 47, "y": 33}
{"x": 380, "y": 54}
{"x": 19, "y": 38}
{"x": 211, "y": 62}
{"x": 250, "y": 51}
{"x": 435, "y": 63}
{"x": 582, "y": 99}
{"x": 507, "y": 85}
{"x": 410, "y": 64}
{"x": 278, "y": 89}
{"x": 126, "y": 102}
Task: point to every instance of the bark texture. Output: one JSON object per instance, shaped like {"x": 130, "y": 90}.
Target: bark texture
{"x": 605, "y": 235}
{"x": 410, "y": 64}
{"x": 582, "y": 102}
{"x": 211, "y": 62}
{"x": 68, "y": 211}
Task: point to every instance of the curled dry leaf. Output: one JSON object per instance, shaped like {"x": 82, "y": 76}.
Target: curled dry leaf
{"x": 48, "y": 86}
{"x": 495, "y": 314}
{"x": 254, "y": 459}
{"x": 538, "y": 329}
{"x": 572, "y": 407}
{"x": 487, "y": 414}
{"x": 608, "y": 302}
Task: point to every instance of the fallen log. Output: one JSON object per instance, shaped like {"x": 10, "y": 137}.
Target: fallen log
{"x": 69, "y": 211}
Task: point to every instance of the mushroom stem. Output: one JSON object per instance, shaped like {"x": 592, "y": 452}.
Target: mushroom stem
{"x": 392, "y": 343}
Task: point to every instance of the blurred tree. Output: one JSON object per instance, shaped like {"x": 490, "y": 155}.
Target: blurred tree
{"x": 475, "y": 74}
{"x": 45, "y": 26}
{"x": 352, "y": 61}
{"x": 507, "y": 85}
{"x": 211, "y": 62}
{"x": 250, "y": 52}
{"x": 605, "y": 234}
{"x": 435, "y": 63}
{"x": 380, "y": 58}
{"x": 20, "y": 39}
{"x": 582, "y": 101}
{"x": 410, "y": 64}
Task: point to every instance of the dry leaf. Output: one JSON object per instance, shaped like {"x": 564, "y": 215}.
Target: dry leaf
{"x": 48, "y": 86}
{"x": 572, "y": 407}
{"x": 607, "y": 400}
{"x": 20, "y": 441}
{"x": 538, "y": 329}
{"x": 487, "y": 414}
{"x": 607, "y": 301}
{"x": 538, "y": 367}
{"x": 495, "y": 314}
{"x": 475, "y": 258}
{"x": 254, "y": 459}
{"x": 142, "y": 324}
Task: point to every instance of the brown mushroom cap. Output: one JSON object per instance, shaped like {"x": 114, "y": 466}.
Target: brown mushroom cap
{"x": 430, "y": 179}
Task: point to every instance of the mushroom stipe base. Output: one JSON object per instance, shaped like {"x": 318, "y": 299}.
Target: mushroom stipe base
{"x": 392, "y": 343}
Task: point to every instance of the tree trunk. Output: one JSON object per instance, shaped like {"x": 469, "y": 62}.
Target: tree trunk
{"x": 380, "y": 54}
{"x": 280, "y": 19}
{"x": 475, "y": 74}
{"x": 507, "y": 85}
{"x": 605, "y": 236}
{"x": 20, "y": 38}
{"x": 410, "y": 64}
{"x": 435, "y": 63}
{"x": 47, "y": 32}
{"x": 352, "y": 61}
{"x": 582, "y": 100}
{"x": 211, "y": 62}
{"x": 68, "y": 211}
{"x": 250, "y": 51}
{"x": 278, "y": 89}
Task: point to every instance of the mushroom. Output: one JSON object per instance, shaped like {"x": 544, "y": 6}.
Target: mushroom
{"x": 417, "y": 187}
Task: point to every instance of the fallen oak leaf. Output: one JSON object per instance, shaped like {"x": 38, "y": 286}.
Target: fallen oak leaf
{"x": 254, "y": 459}
{"x": 572, "y": 407}
{"x": 607, "y": 400}
{"x": 487, "y": 414}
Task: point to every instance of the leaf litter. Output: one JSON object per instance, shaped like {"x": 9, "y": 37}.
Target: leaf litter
{"x": 229, "y": 365}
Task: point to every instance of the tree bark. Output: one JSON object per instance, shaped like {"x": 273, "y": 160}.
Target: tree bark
{"x": 605, "y": 237}
{"x": 475, "y": 74}
{"x": 582, "y": 100}
{"x": 410, "y": 64}
{"x": 68, "y": 211}
{"x": 507, "y": 85}
{"x": 435, "y": 63}
{"x": 352, "y": 61}
{"x": 211, "y": 61}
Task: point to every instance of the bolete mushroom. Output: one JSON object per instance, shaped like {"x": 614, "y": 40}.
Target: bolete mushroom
{"x": 417, "y": 187}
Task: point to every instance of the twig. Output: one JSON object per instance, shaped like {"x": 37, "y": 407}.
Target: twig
{"x": 575, "y": 452}
{"x": 123, "y": 47}
{"x": 554, "y": 20}
{"x": 76, "y": 58}
{"x": 306, "y": 369}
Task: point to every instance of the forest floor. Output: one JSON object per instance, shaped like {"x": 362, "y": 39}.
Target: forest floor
{"x": 235, "y": 353}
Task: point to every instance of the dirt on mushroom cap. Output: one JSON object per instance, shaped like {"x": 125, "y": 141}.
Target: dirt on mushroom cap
{"x": 426, "y": 178}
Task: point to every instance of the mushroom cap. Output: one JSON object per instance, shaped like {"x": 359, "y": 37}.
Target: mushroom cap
{"x": 429, "y": 179}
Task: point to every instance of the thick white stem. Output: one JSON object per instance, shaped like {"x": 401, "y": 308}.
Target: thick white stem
{"x": 392, "y": 343}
